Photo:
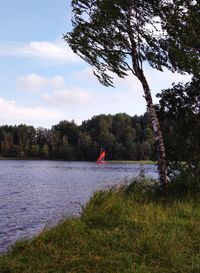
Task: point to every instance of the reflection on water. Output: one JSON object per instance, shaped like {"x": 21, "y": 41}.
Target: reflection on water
{"x": 34, "y": 194}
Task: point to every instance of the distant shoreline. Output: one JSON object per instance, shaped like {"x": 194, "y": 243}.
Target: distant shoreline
{"x": 58, "y": 159}
{"x": 132, "y": 161}
{"x": 30, "y": 158}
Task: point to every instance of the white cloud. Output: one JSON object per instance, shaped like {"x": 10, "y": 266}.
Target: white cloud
{"x": 86, "y": 77}
{"x": 162, "y": 80}
{"x": 56, "y": 51}
{"x": 34, "y": 82}
{"x": 83, "y": 103}
{"x": 157, "y": 80}
{"x": 57, "y": 82}
{"x": 84, "y": 74}
{"x": 128, "y": 96}
{"x": 13, "y": 114}
{"x": 68, "y": 97}
{"x": 91, "y": 99}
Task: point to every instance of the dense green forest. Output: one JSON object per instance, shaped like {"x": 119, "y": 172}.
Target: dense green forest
{"x": 123, "y": 137}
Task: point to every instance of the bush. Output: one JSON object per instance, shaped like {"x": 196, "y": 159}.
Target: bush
{"x": 142, "y": 189}
{"x": 184, "y": 180}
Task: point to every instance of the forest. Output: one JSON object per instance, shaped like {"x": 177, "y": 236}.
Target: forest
{"x": 122, "y": 136}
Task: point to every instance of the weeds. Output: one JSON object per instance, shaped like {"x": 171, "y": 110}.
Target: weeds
{"x": 121, "y": 230}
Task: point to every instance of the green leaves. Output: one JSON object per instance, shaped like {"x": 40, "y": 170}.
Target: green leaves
{"x": 107, "y": 33}
{"x": 180, "y": 21}
{"x": 179, "y": 112}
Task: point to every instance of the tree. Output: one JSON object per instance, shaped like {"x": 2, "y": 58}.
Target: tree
{"x": 69, "y": 129}
{"x": 35, "y": 150}
{"x": 87, "y": 147}
{"x": 180, "y": 20}
{"x": 179, "y": 112}
{"x": 117, "y": 36}
{"x": 24, "y": 136}
{"x": 45, "y": 151}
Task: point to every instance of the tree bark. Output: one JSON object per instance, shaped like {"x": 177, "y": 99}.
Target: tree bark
{"x": 138, "y": 72}
{"x": 156, "y": 130}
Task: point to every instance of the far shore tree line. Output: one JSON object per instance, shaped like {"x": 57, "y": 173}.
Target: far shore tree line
{"x": 123, "y": 137}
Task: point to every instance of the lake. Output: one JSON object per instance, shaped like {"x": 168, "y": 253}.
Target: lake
{"x": 35, "y": 194}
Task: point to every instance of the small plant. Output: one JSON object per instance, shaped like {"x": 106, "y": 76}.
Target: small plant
{"x": 184, "y": 180}
{"x": 141, "y": 172}
{"x": 142, "y": 188}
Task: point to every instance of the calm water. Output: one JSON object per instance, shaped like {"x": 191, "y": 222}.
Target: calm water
{"x": 35, "y": 194}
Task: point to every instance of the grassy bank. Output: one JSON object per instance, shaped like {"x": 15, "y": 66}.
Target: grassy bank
{"x": 119, "y": 231}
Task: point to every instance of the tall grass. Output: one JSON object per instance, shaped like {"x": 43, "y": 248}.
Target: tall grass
{"x": 121, "y": 230}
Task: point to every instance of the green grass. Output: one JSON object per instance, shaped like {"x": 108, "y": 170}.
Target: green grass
{"x": 119, "y": 231}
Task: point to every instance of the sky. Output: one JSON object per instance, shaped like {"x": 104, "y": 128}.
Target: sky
{"x": 43, "y": 82}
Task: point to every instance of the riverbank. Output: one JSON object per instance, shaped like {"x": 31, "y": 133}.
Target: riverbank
{"x": 30, "y": 158}
{"x": 119, "y": 231}
{"x": 132, "y": 161}
{"x": 54, "y": 159}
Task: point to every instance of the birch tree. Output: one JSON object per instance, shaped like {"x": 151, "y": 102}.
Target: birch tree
{"x": 118, "y": 37}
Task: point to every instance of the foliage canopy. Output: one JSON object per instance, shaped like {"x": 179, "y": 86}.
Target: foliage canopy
{"x": 179, "y": 112}
{"x": 164, "y": 33}
{"x": 180, "y": 21}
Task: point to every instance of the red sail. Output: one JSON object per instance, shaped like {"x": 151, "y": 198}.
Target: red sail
{"x": 101, "y": 157}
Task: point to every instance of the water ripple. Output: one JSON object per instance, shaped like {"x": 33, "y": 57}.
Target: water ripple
{"x": 35, "y": 194}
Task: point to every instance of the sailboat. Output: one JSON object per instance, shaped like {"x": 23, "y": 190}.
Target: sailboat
{"x": 101, "y": 158}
